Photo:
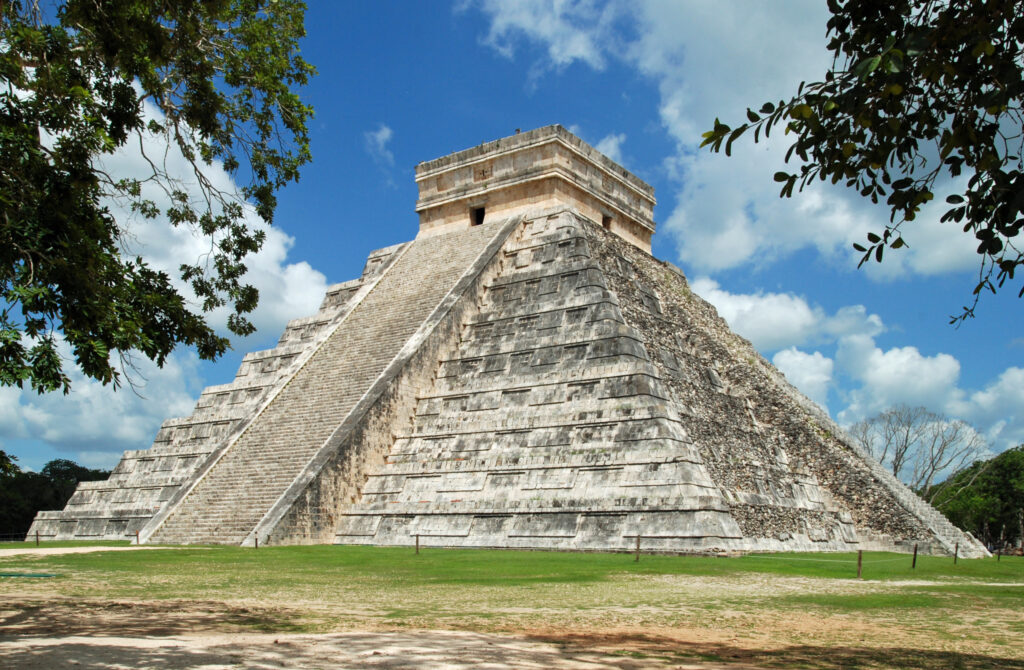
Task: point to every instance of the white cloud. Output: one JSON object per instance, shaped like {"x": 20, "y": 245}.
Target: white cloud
{"x": 569, "y": 30}
{"x": 287, "y": 290}
{"x": 999, "y": 407}
{"x": 811, "y": 373}
{"x": 868, "y": 378}
{"x": 933, "y": 247}
{"x": 769, "y": 320}
{"x": 12, "y": 424}
{"x": 727, "y": 211}
{"x": 772, "y": 321}
{"x": 904, "y": 375}
{"x": 897, "y": 375}
{"x": 376, "y": 142}
{"x": 611, "y": 146}
{"x": 94, "y": 423}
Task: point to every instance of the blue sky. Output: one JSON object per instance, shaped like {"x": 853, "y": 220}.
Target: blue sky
{"x": 401, "y": 83}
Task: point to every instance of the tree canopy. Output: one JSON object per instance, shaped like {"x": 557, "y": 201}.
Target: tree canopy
{"x": 919, "y": 91}
{"x": 23, "y": 494}
{"x": 987, "y": 498}
{"x": 216, "y": 80}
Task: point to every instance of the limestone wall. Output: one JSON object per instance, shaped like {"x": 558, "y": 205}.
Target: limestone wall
{"x": 537, "y": 169}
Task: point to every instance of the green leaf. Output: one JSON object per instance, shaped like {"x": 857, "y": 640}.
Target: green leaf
{"x": 223, "y": 76}
{"x": 802, "y": 111}
{"x": 732, "y": 137}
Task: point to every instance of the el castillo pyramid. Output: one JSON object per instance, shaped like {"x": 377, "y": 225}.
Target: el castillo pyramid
{"x": 522, "y": 374}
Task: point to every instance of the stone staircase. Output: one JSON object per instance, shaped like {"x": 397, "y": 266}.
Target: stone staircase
{"x": 144, "y": 480}
{"x": 233, "y": 495}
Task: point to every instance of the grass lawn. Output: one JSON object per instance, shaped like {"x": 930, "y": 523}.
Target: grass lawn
{"x": 804, "y": 609}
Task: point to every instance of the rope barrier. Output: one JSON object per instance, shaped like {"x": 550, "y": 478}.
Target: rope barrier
{"x": 828, "y": 560}
{"x": 816, "y": 560}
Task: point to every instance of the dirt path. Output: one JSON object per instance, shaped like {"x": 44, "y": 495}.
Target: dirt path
{"x": 105, "y": 634}
{"x": 407, "y": 649}
{"x": 56, "y": 551}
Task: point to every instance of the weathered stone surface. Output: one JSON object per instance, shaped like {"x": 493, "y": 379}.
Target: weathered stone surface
{"x": 538, "y": 380}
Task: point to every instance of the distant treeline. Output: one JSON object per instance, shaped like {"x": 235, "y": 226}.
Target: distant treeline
{"x": 987, "y": 499}
{"x": 22, "y": 494}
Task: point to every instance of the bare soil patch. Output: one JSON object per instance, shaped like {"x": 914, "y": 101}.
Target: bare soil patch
{"x": 103, "y": 633}
{"x": 243, "y": 609}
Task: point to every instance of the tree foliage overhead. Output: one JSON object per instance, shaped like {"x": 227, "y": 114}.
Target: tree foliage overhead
{"x": 919, "y": 90}
{"x": 79, "y": 82}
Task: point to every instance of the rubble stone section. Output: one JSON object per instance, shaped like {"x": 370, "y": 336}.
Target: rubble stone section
{"x": 230, "y": 499}
{"x": 794, "y": 480}
{"x": 144, "y": 480}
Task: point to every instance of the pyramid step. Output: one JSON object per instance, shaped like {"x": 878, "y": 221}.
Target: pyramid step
{"x": 260, "y": 466}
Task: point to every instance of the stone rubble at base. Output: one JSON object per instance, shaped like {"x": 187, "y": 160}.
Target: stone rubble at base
{"x": 535, "y": 381}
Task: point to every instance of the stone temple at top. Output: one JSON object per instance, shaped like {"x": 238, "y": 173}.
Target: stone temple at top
{"x": 522, "y": 374}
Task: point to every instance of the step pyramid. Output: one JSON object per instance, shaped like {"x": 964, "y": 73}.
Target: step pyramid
{"x": 523, "y": 374}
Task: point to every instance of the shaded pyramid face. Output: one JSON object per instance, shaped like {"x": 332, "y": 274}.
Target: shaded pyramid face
{"x": 523, "y": 374}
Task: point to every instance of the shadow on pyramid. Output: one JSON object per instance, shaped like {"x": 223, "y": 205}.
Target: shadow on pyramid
{"x": 523, "y": 374}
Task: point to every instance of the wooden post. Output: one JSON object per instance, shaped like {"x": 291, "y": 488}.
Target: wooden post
{"x": 37, "y": 538}
{"x": 860, "y": 560}
{"x": 913, "y": 563}
{"x": 637, "y": 548}
{"x": 417, "y": 543}
{"x": 956, "y": 552}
